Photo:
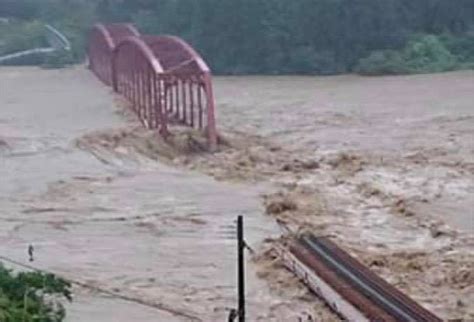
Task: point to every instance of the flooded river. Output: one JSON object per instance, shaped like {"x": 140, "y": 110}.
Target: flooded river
{"x": 384, "y": 165}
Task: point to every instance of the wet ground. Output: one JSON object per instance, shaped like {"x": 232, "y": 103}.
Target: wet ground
{"x": 383, "y": 165}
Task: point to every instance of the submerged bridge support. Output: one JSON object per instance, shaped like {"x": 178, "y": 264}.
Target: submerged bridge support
{"x": 164, "y": 78}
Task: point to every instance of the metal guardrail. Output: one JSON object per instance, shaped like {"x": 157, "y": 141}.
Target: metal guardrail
{"x": 56, "y": 40}
{"x": 26, "y": 53}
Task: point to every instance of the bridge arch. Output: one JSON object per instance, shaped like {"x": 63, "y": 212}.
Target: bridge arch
{"x": 137, "y": 77}
{"x": 187, "y": 83}
{"x": 100, "y": 48}
{"x": 175, "y": 54}
{"x": 164, "y": 78}
{"x": 120, "y": 31}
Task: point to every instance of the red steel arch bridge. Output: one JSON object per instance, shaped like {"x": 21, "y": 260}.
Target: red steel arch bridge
{"x": 165, "y": 80}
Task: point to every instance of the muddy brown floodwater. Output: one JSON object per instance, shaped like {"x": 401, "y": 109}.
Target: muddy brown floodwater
{"x": 385, "y": 166}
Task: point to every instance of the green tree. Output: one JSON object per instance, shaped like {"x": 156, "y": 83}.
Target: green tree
{"x": 32, "y": 296}
{"x": 422, "y": 54}
{"x": 428, "y": 54}
{"x": 279, "y": 37}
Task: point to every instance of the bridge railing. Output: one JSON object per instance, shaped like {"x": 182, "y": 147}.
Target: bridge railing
{"x": 138, "y": 78}
{"x": 162, "y": 77}
{"x": 100, "y": 49}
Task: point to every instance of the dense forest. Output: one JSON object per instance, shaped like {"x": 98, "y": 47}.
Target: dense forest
{"x": 276, "y": 36}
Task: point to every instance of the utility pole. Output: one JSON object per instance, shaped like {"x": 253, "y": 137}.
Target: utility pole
{"x": 241, "y": 268}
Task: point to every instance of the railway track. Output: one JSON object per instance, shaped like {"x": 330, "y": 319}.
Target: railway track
{"x": 350, "y": 288}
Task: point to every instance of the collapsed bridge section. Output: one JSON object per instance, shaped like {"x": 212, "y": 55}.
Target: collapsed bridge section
{"x": 348, "y": 287}
{"x": 163, "y": 77}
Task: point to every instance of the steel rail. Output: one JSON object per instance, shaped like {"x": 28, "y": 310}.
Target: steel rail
{"x": 375, "y": 282}
{"x": 373, "y": 293}
{"x": 367, "y": 293}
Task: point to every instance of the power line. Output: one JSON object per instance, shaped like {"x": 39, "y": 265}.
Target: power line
{"x": 124, "y": 297}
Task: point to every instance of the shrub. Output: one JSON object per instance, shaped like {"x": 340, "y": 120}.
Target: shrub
{"x": 21, "y": 36}
{"x": 58, "y": 59}
{"x": 32, "y": 296}
{"x": 428, "y": 54}
{"x": 423, "y": 54}
{"x": 460, "y": 46}
{"x": 382, "y": 62}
